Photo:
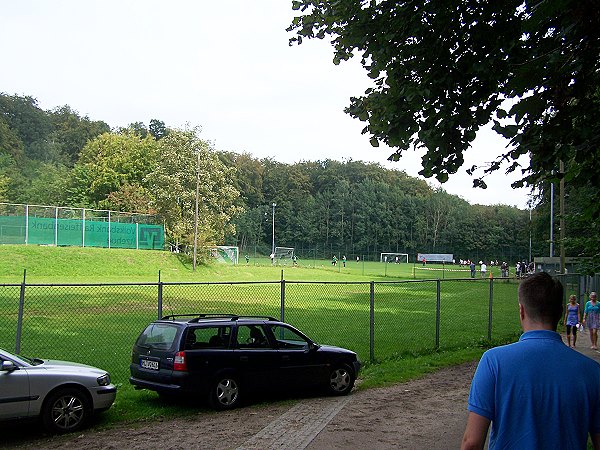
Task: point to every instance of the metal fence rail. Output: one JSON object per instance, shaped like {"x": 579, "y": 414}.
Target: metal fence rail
{"x": 98, "y": 323}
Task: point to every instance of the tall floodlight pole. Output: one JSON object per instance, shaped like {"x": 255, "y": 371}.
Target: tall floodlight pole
{"x": 551, "y": 220}
{"x": 273, "y": 248}
{"x": 196, "y": 212}
{"x": 530, "y": 235}
{"x": 561, "y": 206}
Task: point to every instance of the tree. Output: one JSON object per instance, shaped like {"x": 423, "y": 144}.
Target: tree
{"x": 444, "y": 69}
{"x": 46, "y": 184}
{"x": 131, "y": 198}
{"x": 158, "y": 129}
{"x": 73, "y": 132}
{"x": 183, "y": 157}
{"x": 138, "y": 128}
{"x": 107, "y": 163}
{"x": 29, "y": 122}
{"x": 3, "y": 188}
{"x": 10, "y": 143}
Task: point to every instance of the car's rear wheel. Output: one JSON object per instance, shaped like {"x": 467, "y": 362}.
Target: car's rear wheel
{"x": 341, "y": 380}
{"x": 225, "y": 392}
{"x": 66, "y": 410}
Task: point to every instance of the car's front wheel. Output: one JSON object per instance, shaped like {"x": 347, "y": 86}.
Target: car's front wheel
{"x": 225, "y": 392}
{"x": 66, "y": 410}
{"x": 341, "y": 380}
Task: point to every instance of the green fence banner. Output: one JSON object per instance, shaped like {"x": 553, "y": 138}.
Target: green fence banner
{"x": 81, "y": 233}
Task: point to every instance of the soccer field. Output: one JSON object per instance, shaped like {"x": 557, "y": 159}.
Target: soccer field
{"x": 412, "y": 271}
{"x": 98, "y": 324}
{"x": 72, "y": 311}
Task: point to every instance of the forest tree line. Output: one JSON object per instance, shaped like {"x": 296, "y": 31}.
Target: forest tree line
{"x": 58, "y": 157}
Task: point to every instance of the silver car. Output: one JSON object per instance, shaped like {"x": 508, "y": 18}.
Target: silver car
{"x": 63, "y": 394}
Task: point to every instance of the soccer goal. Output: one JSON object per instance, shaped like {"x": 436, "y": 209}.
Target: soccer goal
{"x": 225, "y": 254}
{"x": 284, "y": 253}
{"x": 396, "y": 258}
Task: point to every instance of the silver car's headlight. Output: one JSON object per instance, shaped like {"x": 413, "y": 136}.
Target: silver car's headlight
{"x": 104, "y": 380}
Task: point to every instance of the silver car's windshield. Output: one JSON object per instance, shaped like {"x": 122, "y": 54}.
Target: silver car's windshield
{"x": 32, "y": 361}
{"x": 20, "y": 359}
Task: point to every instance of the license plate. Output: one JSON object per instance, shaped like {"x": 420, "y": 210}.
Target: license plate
{"x": 149, "y": 364}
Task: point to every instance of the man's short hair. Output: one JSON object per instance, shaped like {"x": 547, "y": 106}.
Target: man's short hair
{"x": 542, "y": 297}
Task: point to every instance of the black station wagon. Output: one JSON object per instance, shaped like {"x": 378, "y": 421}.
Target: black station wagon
{"x": 226, "y": 356}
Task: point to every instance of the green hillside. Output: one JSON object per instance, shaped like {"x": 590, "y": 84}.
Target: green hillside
{"x": 47, "y": 264}
{"x": 64, "y": 264}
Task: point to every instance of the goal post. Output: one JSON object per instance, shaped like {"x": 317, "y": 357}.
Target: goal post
{"x": 394, "y": 258}
{"x": 225, "y": 254}
{"x": 435, "y": 257}
{"x": 284, "y": 252}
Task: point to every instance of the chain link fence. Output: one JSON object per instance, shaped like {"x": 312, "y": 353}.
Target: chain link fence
{"x": 97, "y": 324}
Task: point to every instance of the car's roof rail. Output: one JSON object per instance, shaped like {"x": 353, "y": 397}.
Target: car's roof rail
{"x": 255, "y": 317}
{"x": 211, "y": 316}
{"x": 196, "y": 316}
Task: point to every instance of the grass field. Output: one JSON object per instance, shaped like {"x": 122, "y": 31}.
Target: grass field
{"x": 46, "y": 264}
{"x": 98, "y": 324}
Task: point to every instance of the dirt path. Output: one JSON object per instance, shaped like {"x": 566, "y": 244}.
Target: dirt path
{"x": 400, "y": 416}
{"x": 426, "y": 413}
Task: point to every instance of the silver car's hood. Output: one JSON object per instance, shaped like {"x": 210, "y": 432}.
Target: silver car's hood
{"x": 53, "y": 364}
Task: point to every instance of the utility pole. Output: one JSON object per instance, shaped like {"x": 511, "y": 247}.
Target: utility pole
{"x": 196, "y": 213}
{"x": 530, "y": 234}
{"x": 273, "y": 248}
{"x": 562, "y": 217}
{"x": 551, "y": 219}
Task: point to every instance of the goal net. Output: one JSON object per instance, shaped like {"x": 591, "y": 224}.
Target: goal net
{"x": 394, "y": 258}
{"x": 284, "y": 253}
{"x": 435, "y": 257}
{"x": 225, "y": 254}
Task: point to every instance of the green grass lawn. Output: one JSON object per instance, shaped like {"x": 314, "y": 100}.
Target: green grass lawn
{"x": 97, "y": 324}
{"x": 47, "y": 264}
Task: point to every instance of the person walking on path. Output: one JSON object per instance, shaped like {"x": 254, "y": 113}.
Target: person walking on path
{"x": 527, "y": 390}
{"x": 591, "y": 318}
{"x": 572, "y": 319}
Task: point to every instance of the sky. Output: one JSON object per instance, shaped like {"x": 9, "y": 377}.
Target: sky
{"x": 224, "y": 65}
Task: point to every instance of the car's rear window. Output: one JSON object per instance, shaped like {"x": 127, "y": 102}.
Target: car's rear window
{"x": 158, "y": 335}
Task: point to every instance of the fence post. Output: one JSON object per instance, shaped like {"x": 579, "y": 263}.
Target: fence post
{"x": 438, "y": 305}
{"x": 372, "y": 323}
{"x": 282, "y": 309}
{"x": 20, "y": 316}
{"x": 490, "y": 309}
{"x": 160, "y": 297}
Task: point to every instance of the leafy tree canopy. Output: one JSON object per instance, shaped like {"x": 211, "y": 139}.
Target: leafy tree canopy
{"x": 108, "y": 162}
{"x": 443, "y": 69}
{"x": 186, "y": 165}
{"x": 73, "y": 131}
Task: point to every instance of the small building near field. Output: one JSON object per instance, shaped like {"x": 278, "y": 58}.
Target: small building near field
{"x": 551, "y": 264}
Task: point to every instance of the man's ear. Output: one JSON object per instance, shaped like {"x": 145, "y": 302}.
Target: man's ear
{"x": 521, "y": 311}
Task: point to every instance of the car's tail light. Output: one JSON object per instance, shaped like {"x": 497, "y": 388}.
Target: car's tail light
{"x": 179, "y": 362}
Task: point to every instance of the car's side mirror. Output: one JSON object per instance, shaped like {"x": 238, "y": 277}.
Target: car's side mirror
{"x": 8, "y": 366}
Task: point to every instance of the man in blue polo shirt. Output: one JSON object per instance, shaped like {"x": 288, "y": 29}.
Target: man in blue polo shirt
{"x": 537, "y": 393}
